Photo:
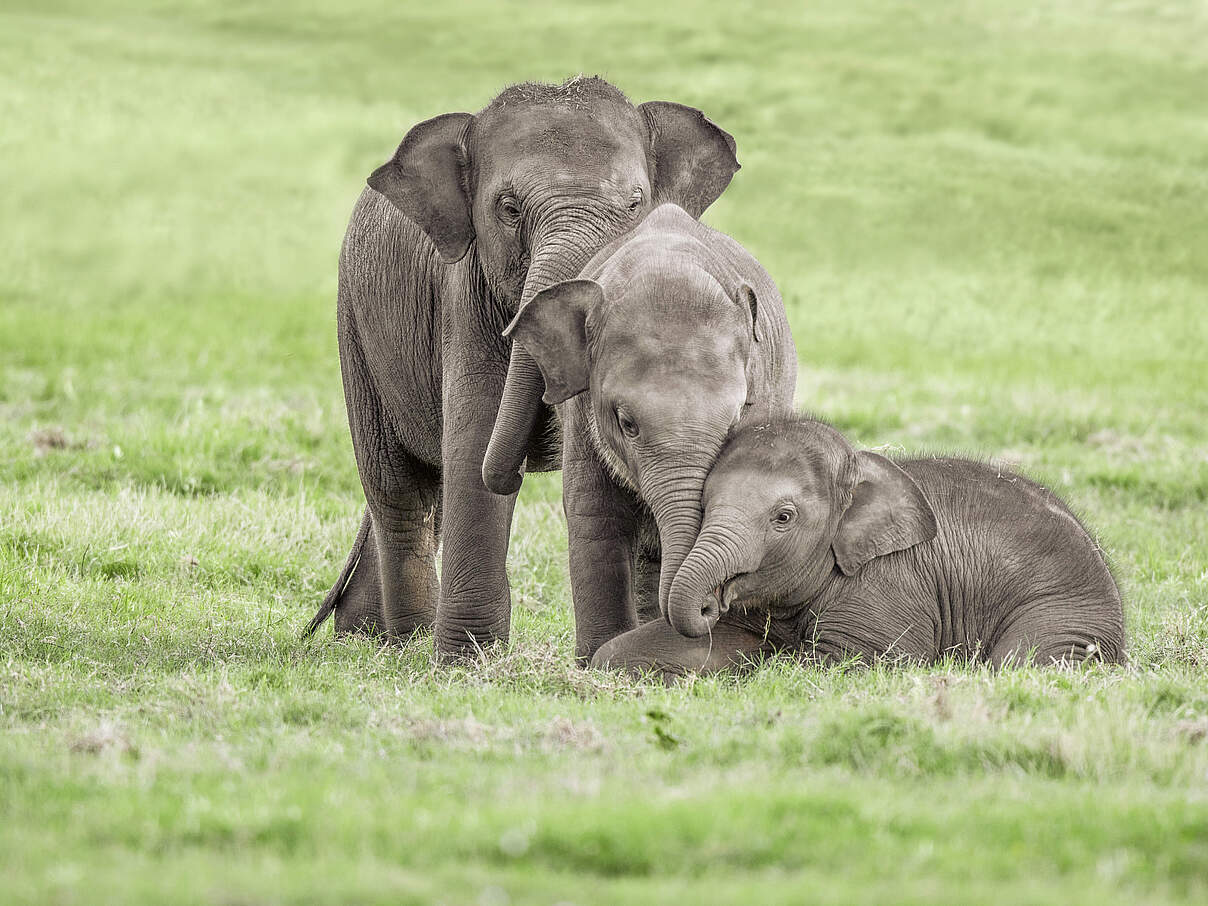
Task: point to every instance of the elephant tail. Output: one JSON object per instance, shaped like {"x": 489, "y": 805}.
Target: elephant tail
{"x": 327, "y": 608}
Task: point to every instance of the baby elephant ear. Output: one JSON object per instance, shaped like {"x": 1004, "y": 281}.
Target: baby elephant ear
{"x": 552, "y": 328}
{"x": 426, "y": 181}
{"x": 746, "y": 297}
{"x": 888, "y": 513}
{"x": 693, "y": 157}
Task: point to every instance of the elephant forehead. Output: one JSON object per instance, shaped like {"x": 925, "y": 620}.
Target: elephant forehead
{"x": 549, "y": 138}
{"x": 777, "y": 459}
{"x": 664, "y": 294}
{"x": 684, "y": 354}
{"x": 750, "y": 489}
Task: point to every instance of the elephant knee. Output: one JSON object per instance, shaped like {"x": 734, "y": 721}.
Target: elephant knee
{"x": 619, "y": 655}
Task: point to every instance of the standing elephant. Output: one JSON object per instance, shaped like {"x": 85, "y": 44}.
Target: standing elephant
{"x": 671, "y": 335}
{"x": 472, "y": 217}
{"x": 809, "y": 544}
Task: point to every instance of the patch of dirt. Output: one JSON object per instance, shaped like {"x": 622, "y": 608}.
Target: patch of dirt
{"x": 559, "y": 734}
{"x": 104, "y": 737}
{"x": 45, "y": 440}
{"x": 563, "y": 733}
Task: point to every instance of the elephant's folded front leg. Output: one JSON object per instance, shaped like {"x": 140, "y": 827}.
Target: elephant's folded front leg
{"x": 655, "y": 649}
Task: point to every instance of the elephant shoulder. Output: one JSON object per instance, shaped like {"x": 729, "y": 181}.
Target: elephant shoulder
{"x": 378, "y": 232}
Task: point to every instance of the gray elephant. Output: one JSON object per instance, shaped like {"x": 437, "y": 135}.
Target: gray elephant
{"x": 807, "y": 544}
{"x": 670, "y": 336}
{"x": 471, "y": 218}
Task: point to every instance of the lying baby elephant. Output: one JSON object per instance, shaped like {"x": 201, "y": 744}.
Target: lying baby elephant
{"x": 807, "y": 544}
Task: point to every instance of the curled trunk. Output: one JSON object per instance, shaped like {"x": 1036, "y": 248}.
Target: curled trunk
{"x": 518, "y": 412}
{"x": 676, "y": 504}
{"x": 695, "y": 601}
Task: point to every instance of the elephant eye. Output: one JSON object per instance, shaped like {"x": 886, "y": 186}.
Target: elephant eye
{"x": 635, "y": 200}
{"x": 509, "y": 209}
{"x": 627, "y": 425}
{"x": 784, "y": 516}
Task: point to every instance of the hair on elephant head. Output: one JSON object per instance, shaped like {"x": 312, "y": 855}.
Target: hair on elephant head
{"x": 536, "y": 183}
{"x": 784, "y": 505}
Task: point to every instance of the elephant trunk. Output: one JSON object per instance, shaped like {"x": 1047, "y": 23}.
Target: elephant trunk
{"x": 557, "y": 257}
{"x": 720, "y": 553}
{"x": 514, "y": 424}
{"x": 676, "y": 504}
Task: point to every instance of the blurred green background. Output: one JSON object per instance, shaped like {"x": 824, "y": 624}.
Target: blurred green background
{"x": 989, "y": 221}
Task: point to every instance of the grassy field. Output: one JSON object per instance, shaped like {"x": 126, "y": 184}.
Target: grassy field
{"x": 990, "y": 222}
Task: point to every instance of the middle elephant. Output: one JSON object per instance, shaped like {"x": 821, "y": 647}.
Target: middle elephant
{"x": 676, "y": 332}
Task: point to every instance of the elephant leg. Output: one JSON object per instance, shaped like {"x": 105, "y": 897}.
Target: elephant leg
{"x": 602, "y": 544}
{"x": 1046, "y": 636}
{"x": 475, "y": 602}
{"x": 646, "y": 573}
{"x": 404, "y": 529}
{"x": 394, "y": 583}
{"x": 655, "y": 649}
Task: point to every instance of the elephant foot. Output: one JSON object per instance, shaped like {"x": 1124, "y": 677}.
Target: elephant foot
{"x": 459, "y": 640}
{"x": 359, "y": 620}
{"x": 400, "y": 632}
{"x": 455, "y": 649}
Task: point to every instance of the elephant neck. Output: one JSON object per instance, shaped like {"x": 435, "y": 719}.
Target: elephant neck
{"x": 781, "y": 629}
{"x": 813, "y": 594}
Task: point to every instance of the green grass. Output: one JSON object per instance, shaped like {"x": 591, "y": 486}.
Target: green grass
{"x": 988, "y": 220}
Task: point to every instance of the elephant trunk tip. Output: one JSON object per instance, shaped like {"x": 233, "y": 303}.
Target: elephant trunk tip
{"x": 695, "y": 619}
{"x": 503, "y": 482}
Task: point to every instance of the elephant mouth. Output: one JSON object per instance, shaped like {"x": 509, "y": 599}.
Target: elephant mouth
{"x": 730, "y": 593}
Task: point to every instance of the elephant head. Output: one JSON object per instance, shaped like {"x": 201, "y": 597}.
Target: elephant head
{"x": 664, "y": 352}
{"x": 535, "y": 184}
{"x": 785, "y": 505}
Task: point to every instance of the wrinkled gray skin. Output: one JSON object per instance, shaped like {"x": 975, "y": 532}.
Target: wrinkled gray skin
{"x": 670, "y": 336}
{"x": 809, "y": 545}
{"x": 471, "y": 218}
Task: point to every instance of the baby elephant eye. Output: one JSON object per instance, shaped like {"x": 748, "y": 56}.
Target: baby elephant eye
{"x": 635, "y": 200}
{"x": 509, "y": 209}
{"x": 627, "y": 425}
{"x": 784, "y": 516}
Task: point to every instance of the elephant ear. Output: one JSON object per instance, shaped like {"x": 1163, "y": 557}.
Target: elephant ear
{"x": 426, "y": 181}
{"x": 888, "y": 513}
{"x": 693, "y": 158}
{"x": 552, "y": 328}
{"x": 745, "y": 296}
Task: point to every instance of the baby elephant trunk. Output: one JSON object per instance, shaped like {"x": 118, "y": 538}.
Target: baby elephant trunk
{"x": 559, "y": 254}
{"x": 720, "y": 554}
